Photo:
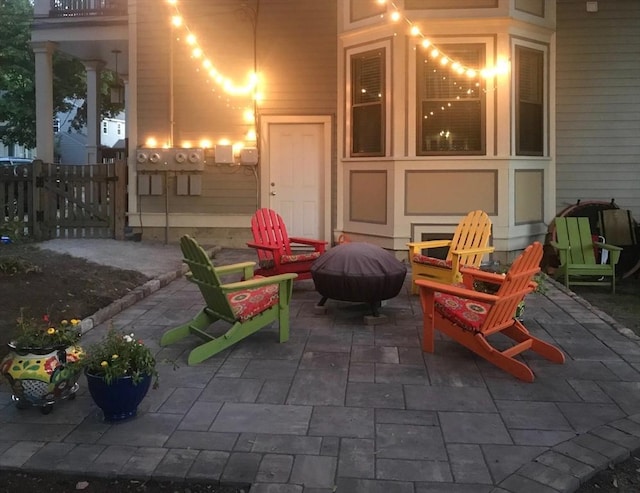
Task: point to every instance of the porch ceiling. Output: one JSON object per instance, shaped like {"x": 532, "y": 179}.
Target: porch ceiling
{"x": 89, "y": 41}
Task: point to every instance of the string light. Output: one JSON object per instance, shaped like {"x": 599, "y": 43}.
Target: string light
{"x": 395, "y": 15}
{"x": 249, "y": 88}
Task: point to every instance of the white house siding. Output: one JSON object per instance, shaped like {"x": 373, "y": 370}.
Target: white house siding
{"x": 598, "y": 103}
{"x": 296, "y": 56}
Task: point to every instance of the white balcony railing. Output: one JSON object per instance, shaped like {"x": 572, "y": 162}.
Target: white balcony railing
{"x": 87, "y": 8}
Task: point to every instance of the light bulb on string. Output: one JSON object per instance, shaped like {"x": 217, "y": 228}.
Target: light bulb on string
{"x": 502, "y": 66}
{"x": 197, "y": 52}
{"x": 206, "y": 66}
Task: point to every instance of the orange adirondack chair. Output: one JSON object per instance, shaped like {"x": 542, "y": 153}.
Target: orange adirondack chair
{"x": 466, "y": 248}
{"x": 470, "y": 317}
{"x": 274, "y": 247}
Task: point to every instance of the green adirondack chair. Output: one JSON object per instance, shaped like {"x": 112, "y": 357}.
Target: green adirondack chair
{"x": 247, "y": 305}
{"x": 577, "y": 252}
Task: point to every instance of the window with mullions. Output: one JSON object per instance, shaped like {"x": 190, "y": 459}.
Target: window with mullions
{"x": 451, "y": 106}
{"x": 367, "y": 103}
{"x": 529, "y": 102}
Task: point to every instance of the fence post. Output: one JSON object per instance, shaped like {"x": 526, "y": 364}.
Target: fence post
{"x": 119, "y": 199}
{"x": 36, "y": 200}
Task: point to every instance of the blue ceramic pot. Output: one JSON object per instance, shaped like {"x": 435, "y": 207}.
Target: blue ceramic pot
{"x": 120, "y": 399}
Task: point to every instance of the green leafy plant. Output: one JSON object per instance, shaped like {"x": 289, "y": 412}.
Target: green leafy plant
{"x": 120, "y": 355}
{"x": 13, "y": 228}
{"x": 16, "y": 265}
{"x": 487, "y": 287}
{"x": 43, "y": 333}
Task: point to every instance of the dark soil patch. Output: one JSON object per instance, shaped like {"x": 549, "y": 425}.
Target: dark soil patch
{"x": 624, "y": 306}
{"x": 41, "y": 282}
{"x": 618, "y": 478}
{"x": 49, "y": 483}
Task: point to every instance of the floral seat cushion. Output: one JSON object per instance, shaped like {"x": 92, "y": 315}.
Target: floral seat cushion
{"x": 248, "y": 303}
{"x": 466, "y": 314}
{"x": 299, "y": 257}
{"x": 436, "y": 262}
{"x": 289, "y": 259}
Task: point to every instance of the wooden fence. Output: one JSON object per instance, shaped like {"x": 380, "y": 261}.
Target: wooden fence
{"x": 45, "y": 201}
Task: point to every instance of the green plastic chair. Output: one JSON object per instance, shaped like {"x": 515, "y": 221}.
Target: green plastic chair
{"x": 577, "y": 251}
{"x": 247, "y": 305}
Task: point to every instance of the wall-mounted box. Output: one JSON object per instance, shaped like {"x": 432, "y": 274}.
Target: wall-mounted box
{"x": 224, "y": 154}
{"x": 157, "y": 184}
{"x": 182, "y": 185}
{"x": 195, "y": 184}
{"x": 249, "y": 156}
{"x": 144, "y": 185}
{"x": 188, "y": 184}
{"x": 172, "y": 159}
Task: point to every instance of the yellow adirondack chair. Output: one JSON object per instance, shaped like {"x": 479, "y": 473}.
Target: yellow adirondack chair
{"x": 577, "y": 252}
{"x": 467, "y": 247}
{"x": 247, "y": 305}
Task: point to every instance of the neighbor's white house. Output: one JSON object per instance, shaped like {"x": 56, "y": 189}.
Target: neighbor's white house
{"x": 70, "y": 144}
{"x": 386, "y": 121}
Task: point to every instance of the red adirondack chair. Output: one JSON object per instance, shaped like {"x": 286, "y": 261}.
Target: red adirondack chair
{"x": 274, "y": 247}
{"x": 470, "y": 317}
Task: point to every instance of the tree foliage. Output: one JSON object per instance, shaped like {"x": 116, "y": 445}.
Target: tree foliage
{"x": 17, "y": 79}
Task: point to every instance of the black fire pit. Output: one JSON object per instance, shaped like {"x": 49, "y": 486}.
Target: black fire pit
{"x": 358, "y": 272}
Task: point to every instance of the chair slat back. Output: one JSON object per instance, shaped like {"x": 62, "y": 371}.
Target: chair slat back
{"x": 268, "y": 228}
{"x": 204, "y": 275}
{"x": 516, "y": 285}
{"x": 474, "y": 231}
{"x": 575, "y": 232}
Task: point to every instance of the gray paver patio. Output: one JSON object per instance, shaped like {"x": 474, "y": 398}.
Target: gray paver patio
{"x": 349, "y": 407}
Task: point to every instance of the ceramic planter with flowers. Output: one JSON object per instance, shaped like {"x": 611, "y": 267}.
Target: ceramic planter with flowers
{"x": 41, "y": 367}
{"x": 119, "y": 370}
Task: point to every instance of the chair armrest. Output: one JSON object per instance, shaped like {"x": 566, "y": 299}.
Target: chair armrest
{"x": 475, "y": 274}
{"x": 261, "y": 246}
{"x": 319, "y": 245}
{"x": 472, "y": 251}
{"x": 469, "y": 294}
{"x": 607, "y": 246}
{"x": 245, "y": 267}
{"x": 256, "y": 283}
{"x": 559, "y": 246}
{"x": 421, "y": 245}
{"x": 614, "y": 251}
{"x": 472, "y": 274}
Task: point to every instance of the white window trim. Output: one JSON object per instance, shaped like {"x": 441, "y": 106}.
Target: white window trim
{"x": 544, "y": 48}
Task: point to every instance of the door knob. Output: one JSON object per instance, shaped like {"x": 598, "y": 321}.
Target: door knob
{"x": 273, "y": 193}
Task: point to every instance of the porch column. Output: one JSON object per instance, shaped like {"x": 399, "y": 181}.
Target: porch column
{"x": 44, "y": 99}
{"x": 93, "y": 68}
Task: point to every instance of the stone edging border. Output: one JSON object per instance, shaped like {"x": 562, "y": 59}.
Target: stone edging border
{"x": 136, "y": 295}
{"x": 569, "y": 464}
{"x": 602, "y": 315}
